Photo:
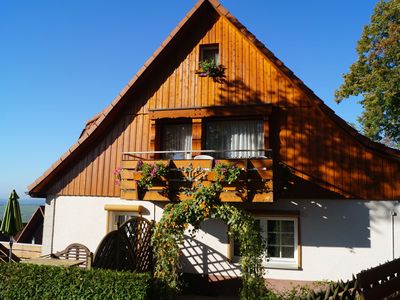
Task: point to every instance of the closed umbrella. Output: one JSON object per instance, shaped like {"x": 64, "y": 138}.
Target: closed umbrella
{"x": 12, "y": 222}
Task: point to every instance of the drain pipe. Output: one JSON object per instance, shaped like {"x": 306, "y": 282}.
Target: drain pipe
{"x": 394, "y": 214}
{"x": 52, "y": 225}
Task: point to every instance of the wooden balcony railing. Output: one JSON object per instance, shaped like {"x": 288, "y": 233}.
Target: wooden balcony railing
{"x": 254, "y": 184}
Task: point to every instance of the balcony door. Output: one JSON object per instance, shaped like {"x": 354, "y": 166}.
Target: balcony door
{"x": 177, "y": 137}
{"x": 233, "y": 135}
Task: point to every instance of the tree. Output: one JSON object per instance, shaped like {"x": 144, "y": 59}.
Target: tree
{"x": 376, "y": 75}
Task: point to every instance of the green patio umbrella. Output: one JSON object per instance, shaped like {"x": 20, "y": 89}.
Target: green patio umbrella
{"x": 12, "y": 222}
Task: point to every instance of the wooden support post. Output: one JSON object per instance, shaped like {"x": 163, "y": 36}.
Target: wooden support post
{"x": 154, "y": 139}
{"x": 196, "y": 135}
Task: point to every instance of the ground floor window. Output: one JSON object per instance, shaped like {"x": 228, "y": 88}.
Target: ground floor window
{"x": 119, "y": 214}
{"x": 282, "y": 237}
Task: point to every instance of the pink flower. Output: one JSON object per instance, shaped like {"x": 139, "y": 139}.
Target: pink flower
{"x": 153, "y": 172}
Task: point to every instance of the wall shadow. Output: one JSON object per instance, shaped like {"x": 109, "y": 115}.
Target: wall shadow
{"x": 206, "y": 268}
{"x": 330, "y": 223}
{"x": 210, "y": 258}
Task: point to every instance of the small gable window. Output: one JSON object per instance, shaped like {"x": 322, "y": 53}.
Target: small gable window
{"x": 209, "y": 63}
{"x": 209, "y": 52}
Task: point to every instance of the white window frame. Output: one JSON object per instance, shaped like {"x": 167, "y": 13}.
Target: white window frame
{"x": 275, "y": 262}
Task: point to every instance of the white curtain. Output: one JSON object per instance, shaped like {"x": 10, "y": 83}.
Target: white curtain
{"x": 177, "y": 137}
{"x": 244, "y": 135}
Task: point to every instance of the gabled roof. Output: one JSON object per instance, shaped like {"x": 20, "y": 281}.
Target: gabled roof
{"x": 100, "y": 120}
{"x": 32, "y": 226}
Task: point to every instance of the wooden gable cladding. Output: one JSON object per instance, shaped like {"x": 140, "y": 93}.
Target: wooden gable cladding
{"x": 326, "y": 161}
{"x": 324, "y": 156}
{"x": 93, "y": 173}
{"x": 250, "y": 78}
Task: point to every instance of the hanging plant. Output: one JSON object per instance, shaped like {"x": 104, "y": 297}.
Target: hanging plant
{"x": 117, "y": 174}
{"x": 210, "y": 68}
{"x": 149, "y": 173}
{"x": 169, "y": 232}
{"x": 227, "y": 172}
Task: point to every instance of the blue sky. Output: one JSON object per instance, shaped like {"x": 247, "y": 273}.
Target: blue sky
{"x": 61, "y": 62}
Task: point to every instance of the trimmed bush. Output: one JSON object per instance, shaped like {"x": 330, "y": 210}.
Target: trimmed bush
{"x": 25, "y": 281}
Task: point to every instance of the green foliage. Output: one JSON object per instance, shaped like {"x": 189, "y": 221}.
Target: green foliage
{"x": 25, "y": 281}
{"x": 211, "y": 69}
{"x": 376, "y": 74}
{"x": 333, "y": 291}
{"x": 227, "y": 172}
{"x": 337, "y": 291}
{"x": 169, "y": 235}
{"x": 150, "y": 172}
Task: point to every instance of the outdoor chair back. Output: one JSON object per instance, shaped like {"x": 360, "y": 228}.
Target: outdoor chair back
{"x": 76, "y": 251}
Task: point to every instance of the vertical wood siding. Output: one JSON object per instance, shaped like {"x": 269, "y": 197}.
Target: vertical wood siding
{"x": 307, "y": 141}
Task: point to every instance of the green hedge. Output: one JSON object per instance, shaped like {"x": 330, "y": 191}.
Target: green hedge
{"x": 24, "y": 281}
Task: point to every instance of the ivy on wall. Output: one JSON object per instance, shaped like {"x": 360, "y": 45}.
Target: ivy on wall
{"x": 169, "y": 232}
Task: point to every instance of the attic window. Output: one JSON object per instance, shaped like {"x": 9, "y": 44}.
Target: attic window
{"x": 209, "y": 52}
{"x": 209, "y": 65}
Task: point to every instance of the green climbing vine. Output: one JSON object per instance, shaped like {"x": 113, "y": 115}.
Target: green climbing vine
{"x": 168, "y": 234}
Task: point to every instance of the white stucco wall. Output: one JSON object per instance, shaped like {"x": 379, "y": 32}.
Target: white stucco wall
{"x": 342, "y": 237}
{"x": 338, "y": 237}
{"x": 84, "y": 220}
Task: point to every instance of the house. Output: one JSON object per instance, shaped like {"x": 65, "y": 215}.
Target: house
{"x": 27, "y": 242}
{"x": 32, "y": 233}
{"x": 326, "y": 196}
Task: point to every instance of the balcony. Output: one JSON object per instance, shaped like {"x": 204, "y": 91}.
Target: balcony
{"x": 254, "y": 184}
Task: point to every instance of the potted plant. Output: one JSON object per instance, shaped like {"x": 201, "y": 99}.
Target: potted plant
{"x": 210, "y": 68}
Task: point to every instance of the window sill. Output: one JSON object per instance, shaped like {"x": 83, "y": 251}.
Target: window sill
{"x": 271, "y": 265}
{"x": 282, "y": 266}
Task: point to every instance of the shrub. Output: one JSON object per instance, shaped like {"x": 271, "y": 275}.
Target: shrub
{"x": 25, "y": 281}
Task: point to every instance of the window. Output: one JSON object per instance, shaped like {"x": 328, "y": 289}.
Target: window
{"x": 209, "y": 52}
{"x": 119, "y": 214}
{"x": 281, "y": 236}
{"x": 177, "y": 137}
{"x": 117, "y": 218}
{"x": 231, "y": 136}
